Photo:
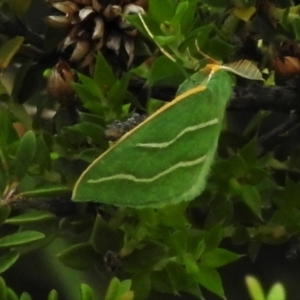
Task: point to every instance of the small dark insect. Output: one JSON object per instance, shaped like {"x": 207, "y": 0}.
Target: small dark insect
{"x": 112, "y": 261}
{"x": 118, "y": 128}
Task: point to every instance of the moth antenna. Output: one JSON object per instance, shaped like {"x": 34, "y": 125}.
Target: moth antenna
{"x": 205, "y": 55}
{"x": 244, "y": 68}
{"x": 168, "y": 55}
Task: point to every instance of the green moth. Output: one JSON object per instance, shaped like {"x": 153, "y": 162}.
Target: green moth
{"x": 167, "y": 158}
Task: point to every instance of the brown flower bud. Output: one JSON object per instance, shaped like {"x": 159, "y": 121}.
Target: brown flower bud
{"x": 286, "y": 66}
{"x": 59, "y": 85}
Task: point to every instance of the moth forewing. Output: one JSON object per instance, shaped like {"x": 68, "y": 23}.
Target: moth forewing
{"x": 165, "y": 159}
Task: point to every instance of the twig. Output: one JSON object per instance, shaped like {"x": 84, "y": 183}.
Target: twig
{"x": 253, "y": 98}
{"x": 292, "y": 120}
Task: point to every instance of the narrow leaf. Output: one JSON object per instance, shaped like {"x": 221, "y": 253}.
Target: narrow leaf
{"x": 254, "y": 288}
{"x": 244, "y": 68}
{"x": 7, "y": 260}
{"x": 252, "y": 199}
{"x": 103, "y": 74}
{"x": 218, "y": 257}
{"x": 11, "y": 294}
{"x": 161, "y": 12}
{"x": 86, "y": 292}
{"x": 80, "y": 256}
{"x": 3, "y": 294}
{"x": 277, "y": 292}
{"x": 30, "y": 217}
{"x": 25, "y": 296}
{"x": 210, "y": 279}
{"x": 58, "y": 190}
{"x": 9, "y": 50}
{"x": 25, "y": 154}
{"x": 20, "y": 238}
{"x": 53, "y": 295}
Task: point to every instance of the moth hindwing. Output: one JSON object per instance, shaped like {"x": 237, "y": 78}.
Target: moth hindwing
{"x": 165, "y": 159}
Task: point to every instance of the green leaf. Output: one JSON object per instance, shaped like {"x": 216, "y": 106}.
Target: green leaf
{"x": 173, "y": 279}
{"x": 141, "y": 286}
{"x": 164, "y": 71}
{"x": 254, "y": 288}
{"x": 49, "y": 191}
{"x": 289, "y": 198}
{"x": 115, "y": 95}
{"x": 144, "y": 258}
{"x": 218, "y": 48}
{"x": 90, "y": 97}
{"x": 86, "y": 292}
{"x": 47, "y": 227}
{"x": 103, "y": 75}
{"x": 218, "y": 257}
{"x": 25, "y": 296}
{"x": 8, "y": 259}
{"x": 289, "y": 218}
{"x": 3, "y": 294}
{"x": 210, "y": 279}
{"x": 8, "y": 50}
{"x": 186, "y": 16}
{"x": 213, "y": 237}
{"x": 34, "y": 216}
{"x": 296, "y": 26}
{"x": 104, "y": 237}
{"x": 251, "y": 197}
{"x": 42, "y": 154}
{"x": 119, "y": 290}
{"x": 249, "y": 153}
{"x": 161, "y": 12}
{"x": 91, "y": 118}
{"x": 25, "y": 154}
{"x": 93, "y": 131}
{"x": 81, "y": 256}
{"x": 20, "y": 238}
{"x": 11, "y": 294}
{"x": 277, "y": 292}
{"x": 8, "y": 133}
{"x": 53, "y": 295}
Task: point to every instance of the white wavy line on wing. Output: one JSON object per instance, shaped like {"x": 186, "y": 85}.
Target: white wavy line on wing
{"x": 135, "y": 179}
{"x": 181, "y": 133}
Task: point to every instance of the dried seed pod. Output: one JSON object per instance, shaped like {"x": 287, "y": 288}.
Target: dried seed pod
{"x": 85, "y": 12}
{"x": 113, "y": 41}
{"x": 95, "y": 24}
{"x": 66, "y": 7}
{"x": 98, "y": 29}
{"x": 129, "y": 48}
{"x": 58, "y": 21}
{"x": 112, "y": 12}
{"x": 81, "y": 50}
{"x": 59, "y": 83}
{"x": 123, "y": 24}
{"x": 96, "y": 5}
